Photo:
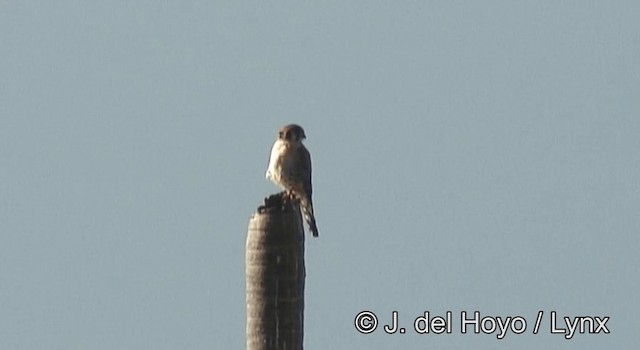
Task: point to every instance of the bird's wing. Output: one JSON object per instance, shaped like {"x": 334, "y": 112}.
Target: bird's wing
{"x": 305, "y": 167}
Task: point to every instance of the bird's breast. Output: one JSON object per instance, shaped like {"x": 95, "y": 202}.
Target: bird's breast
{"x": 279, "y": 161}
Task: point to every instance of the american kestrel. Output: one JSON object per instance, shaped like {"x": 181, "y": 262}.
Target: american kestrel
{"x": 290, "y": 168}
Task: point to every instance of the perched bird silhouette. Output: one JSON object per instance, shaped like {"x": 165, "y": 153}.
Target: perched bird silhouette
{"x": 290, "y": 168}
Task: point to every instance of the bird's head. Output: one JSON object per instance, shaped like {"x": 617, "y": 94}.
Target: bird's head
{"x": 292, "y": 133}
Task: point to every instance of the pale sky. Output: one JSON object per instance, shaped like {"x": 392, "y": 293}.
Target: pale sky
{"x": 468, "y": 156}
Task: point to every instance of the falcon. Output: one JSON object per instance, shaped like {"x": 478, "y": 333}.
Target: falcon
{"x": 290, "y": 168}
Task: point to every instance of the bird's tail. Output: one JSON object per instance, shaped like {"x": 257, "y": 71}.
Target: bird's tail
{"x": 307, "y": 210}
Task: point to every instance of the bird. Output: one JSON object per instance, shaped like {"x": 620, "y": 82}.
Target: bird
{"x": 290, "y": 168}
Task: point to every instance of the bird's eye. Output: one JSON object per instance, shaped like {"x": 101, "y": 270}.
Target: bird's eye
{"x": 280, "y": 134}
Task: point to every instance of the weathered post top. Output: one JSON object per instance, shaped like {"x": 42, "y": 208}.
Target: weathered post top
{"x": 275, "y": 274}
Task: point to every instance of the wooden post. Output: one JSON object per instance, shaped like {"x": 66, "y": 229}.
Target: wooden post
{"x": 275, "y": 273}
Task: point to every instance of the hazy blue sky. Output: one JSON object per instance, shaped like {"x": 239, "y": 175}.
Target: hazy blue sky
{"x": 468, "y": 156}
